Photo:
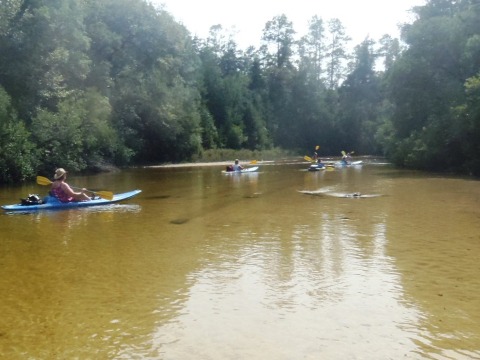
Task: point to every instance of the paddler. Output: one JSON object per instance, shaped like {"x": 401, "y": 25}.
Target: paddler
{"x": 237, "y": 166}
{"x": 63, "y": 192}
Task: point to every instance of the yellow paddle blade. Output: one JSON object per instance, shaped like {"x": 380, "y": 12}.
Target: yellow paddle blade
{"x": 108, "y": 195}
{"x": 317, "y": 147}
{"x": 43, "y": 181}
{"x": 344, "y": 153}
{"x": 253, "y": 162}
{"x": 308, "y": 158}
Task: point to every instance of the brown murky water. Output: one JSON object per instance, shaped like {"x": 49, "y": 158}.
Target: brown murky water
{"x": 272, "y": 265}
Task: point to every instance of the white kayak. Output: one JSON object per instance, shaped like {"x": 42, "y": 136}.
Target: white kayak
{"x": 247, "y": 170}
{"x": 318, "y": 167}
{"x": 353, "y": 163}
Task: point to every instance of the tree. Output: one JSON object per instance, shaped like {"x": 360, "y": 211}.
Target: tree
{"x": 312, "y": 49}
{"x": 44, "y": 56}
{"x": 278, "y": 37}
{"x": 427, "y": 82}
{"x": 336, "y": 53}
{"x": 61, "y": 135}
{"x": 390, "y": 50}
{"x": 147, "y": 67}
{"x": 360, "y": 100}
{"x": 18, "y": 158}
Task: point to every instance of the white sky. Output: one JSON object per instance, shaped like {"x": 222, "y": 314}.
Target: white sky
{"x": 247, "y": 18}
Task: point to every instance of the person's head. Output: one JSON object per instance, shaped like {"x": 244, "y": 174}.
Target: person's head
{"x": 236, "y": 161}
{"x": 60, "y": 174}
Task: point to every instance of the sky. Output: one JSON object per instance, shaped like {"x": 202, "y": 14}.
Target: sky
{"x": 247, "y": 18}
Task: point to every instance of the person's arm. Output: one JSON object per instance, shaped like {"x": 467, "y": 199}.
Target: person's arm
{"x": 69, "y": 191}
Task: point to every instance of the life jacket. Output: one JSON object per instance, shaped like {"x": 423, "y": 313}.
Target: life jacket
{"x": 60, "y": 194}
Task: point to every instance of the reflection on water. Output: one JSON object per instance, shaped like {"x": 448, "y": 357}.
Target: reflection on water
{"x": 207, "y": 266}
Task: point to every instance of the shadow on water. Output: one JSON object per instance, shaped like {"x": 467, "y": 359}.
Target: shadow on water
{"x": 157, "y": 197}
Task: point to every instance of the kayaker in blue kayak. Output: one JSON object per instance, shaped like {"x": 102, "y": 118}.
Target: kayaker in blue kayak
{"x": 62, "y": 191}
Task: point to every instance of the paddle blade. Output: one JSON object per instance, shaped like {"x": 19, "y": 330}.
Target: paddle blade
{"x": 317, "y": 147}
{"x": 253, "y": 162}
{"x": 43, "y": 181}
{"x": 308, "y": 158}
{"x": 344, "y": 153}
{"x": 107, "y": 195}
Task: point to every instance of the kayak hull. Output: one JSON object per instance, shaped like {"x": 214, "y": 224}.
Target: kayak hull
{"x": 316, "y": 167}
{"x": 248, "y": 170}
{"x": 54, "y": 204}
{"x": 323, "y": 166}
{"x": 354, "y": 163}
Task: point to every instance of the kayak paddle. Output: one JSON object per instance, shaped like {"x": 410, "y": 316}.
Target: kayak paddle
{"x": 108, "y": 195}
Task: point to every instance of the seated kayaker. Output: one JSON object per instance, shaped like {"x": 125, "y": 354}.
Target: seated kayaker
{"x": 237, "y": 166}
{"x": 346, "y": 158}
{"x": 62, "y": 191}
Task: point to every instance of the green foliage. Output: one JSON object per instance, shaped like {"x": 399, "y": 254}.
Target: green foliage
{"x": 361, "y": 99}
{"x": 44, "y": 54}
{"x": 60, "y": 136}
{"x": 432, "y": 119}
{"x": 18, "y": 154}
{"x": 278, "y": 37}
{"x": 87, "y": 83}
{"x": 466, "y": 135}
{"x": 209, "y": 131}
{"x": 79, "y": 135}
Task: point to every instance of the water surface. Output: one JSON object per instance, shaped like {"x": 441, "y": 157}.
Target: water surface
{"x": 277, "y": 264}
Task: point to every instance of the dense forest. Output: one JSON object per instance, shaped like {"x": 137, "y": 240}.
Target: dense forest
{"x": 89, "y": 83}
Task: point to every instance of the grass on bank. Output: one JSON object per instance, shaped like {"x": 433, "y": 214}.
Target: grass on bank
{"x": 217, "y": 155}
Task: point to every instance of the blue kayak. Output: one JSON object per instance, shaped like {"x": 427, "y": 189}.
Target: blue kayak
{"x": 52, "y": 203}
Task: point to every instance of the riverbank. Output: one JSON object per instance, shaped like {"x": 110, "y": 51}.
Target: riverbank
{"x": 282, "y": 160}
{"x": 211, "y": 163}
